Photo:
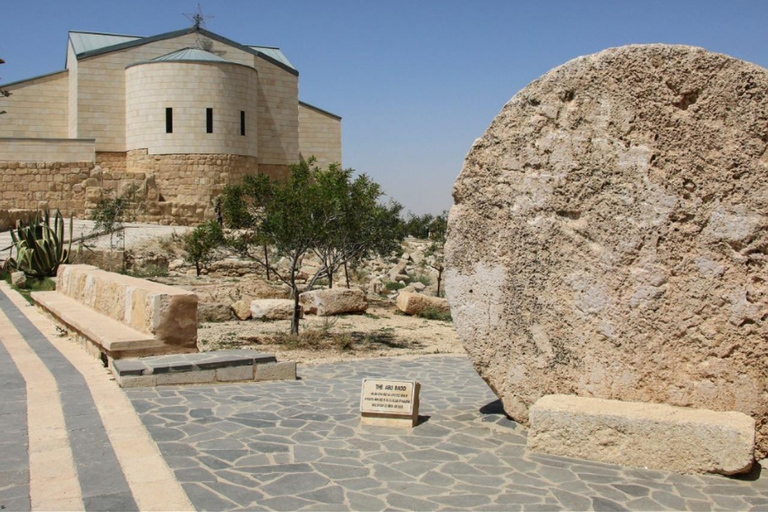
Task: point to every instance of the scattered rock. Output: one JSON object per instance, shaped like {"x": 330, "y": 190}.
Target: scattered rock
{"x": 608, "y": 237}
{"x": 397, "y": 270}
{"x": 418, "y": 286}
{"x": 375, "y": 286}
{"x": 241, "y": 310}
{"x": 415, "y": 303}
{"x": 272, "y": 309}
{"x": 335, "y": 301}
{"x": 213, "y": 312}
{"x": 19, "y": 279}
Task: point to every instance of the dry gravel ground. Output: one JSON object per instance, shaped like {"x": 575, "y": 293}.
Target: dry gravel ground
{"x": 381, "y": 332}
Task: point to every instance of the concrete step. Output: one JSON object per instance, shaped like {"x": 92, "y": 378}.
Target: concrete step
{"x": 115, "y": 338}
{"x": 220, "y": 366}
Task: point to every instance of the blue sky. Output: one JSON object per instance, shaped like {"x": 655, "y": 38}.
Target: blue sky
{"x": 415, "y": 81}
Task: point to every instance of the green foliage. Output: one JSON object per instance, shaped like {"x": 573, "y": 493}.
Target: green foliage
{"x": 438, "y": 231}
{"x": 360, "y": 224}
{"x": 313, "y": 209}
{"x": 34, "y": 284}
{"x": 40, "y": 246}
{"x": 200, "y": 243}
{"x": 393, "y": 285}
{"x": 110, "y": 213}
{"x": 149, "y": 271}
{"x": 435, "y": 314}
{"x": 417, "y": 226}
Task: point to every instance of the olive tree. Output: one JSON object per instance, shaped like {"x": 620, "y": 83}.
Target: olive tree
{"x": 360, "y": 225}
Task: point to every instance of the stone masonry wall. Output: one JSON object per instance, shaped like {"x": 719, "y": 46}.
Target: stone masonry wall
{"x": 173, "y": 189}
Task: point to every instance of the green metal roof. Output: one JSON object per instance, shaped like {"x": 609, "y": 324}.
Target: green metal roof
{"x": 193, "y": 54}
{"x": 89, "y": 44}
{"x": 275, "y": 53}
{"x": 89, "y": 41}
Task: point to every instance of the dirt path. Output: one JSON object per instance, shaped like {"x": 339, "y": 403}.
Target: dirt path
{"x": 378, "y": 333}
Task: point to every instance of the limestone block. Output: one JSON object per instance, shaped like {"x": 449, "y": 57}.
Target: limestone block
{"x": 397, "y": 270}
{"x": 213, "y": 312}
{"x": 234, "y": 373}
{"x": 168, "y": 313}
{"x": 334, "y": 301}
{"x": 273, "y": 309}
{"x": 241, "y": 309}
{"x": 275, "y": 371}
{"x": 598, "y": 247}
{"x": 196, "y": 377}
{"x": 639, "y": 434}
{"x": 415, "y": 303}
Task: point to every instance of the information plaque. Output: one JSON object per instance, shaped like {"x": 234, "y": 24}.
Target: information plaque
{"x": 390, "y": 403}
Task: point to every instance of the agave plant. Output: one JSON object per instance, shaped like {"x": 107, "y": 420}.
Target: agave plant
{"x": 40, "y": 246}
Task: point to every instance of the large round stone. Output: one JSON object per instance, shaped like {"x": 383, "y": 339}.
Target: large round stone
{"x": 609, "y": 235}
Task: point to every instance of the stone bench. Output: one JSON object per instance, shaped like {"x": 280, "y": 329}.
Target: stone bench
{"x": 122, "y": 316}
{"x": 219, "y": 366}
{"x": 646, "y": 435}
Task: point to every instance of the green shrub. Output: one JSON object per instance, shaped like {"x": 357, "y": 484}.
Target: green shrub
{"x": 201, "y": 242}
{"x": 435, "y": 314}
{"x": 148, "y": 271}
{"x": 40, "y": 246}
{"x": 393, "y": 285}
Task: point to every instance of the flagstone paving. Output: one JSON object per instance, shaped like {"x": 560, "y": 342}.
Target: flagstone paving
{"x": 72, "y": 441}
{"x": 300, "y": 446}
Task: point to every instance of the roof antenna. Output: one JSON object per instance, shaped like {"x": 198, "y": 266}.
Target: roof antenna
{"x": 198, "y": 22}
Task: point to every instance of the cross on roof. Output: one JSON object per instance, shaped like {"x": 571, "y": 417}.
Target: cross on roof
{"x": 197, "y": 18}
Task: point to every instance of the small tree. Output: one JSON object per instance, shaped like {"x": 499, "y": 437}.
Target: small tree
{"x": 438, "y": 230}
{"x": 289, "y": 215}
{"x": 358, "y": 224}
{"x": 200, "y": 243}
{"x": 111, "y": 213}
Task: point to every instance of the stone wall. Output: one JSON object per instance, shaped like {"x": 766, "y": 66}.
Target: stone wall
{"x": 186, "y": 88}
{"x": 319, "y": 135}
{"x": 46, "y": 150}
{"x": 36, "y": 107}
{"x": 172, "y": 189}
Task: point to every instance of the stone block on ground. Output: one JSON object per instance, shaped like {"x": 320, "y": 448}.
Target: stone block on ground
{"x": 334, "y": 301}
{"x": 654, "y": 436}
{"x": 272, "y": 309}
{"x": 241, "y": 309}
{"x": 397, "y": 270}
{"x": 19, "y": 279}
{"x": 219, "y": 366}
{"x": 213, "y": 312}
{"x": 415, "y": 303}
{"x": 165, "y": 312}
{"x": 593, "y": 251}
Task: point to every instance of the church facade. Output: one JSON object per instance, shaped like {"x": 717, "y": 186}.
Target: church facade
{"x": 174, "y": 117}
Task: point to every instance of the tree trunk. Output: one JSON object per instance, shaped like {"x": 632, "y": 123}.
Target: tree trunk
{"x": 346, "y": 273}
{"x": 295, "y": 317}
{"x": 329, "y": 272}
{"x": 439, "y": 279}
{"x": 266, "y": 259}
{"x": 197, "y": 267}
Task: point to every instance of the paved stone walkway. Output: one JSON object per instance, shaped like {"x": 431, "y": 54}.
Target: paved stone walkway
{"x": 72, "y": 440}
{"x": 299, "y": 446}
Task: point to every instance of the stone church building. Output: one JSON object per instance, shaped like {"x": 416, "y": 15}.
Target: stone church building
{"x": 179, "y": 115}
